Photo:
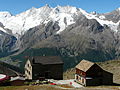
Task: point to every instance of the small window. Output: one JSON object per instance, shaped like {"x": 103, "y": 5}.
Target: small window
{"x": 29, "y": 72}
{"x": 77, "y": 77}
{"x": 82, "y": 80}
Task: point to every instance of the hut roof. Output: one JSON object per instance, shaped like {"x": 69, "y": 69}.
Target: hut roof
{"x": 84, "y": 65}
{"x": 46, "y": 60}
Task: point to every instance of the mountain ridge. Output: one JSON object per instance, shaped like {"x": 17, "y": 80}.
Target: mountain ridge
{"x": 22, "y": 22}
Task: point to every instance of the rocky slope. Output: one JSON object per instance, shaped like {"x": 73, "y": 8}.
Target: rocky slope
{"x": 7, "y": 41}
{"x": 83, "y": 37}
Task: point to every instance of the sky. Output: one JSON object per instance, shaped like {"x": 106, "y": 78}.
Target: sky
{"x": 100, "y": 6}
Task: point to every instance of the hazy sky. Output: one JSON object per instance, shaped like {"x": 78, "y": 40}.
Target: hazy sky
{"x": 100, "y": 6}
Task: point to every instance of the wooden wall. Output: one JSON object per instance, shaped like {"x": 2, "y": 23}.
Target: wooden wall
{"x": 54, "y": 71}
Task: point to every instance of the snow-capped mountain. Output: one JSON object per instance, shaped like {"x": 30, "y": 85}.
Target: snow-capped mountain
{"x": 71, "y": 31}
{"x": 65, "y": 26}
{"x": 36, "y": 16}
{"x": 103, "y": 20}
{"x": 4, "y": 16}
{"x": 65, "y": 16}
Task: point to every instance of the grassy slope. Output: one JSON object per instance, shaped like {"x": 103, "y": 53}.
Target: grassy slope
{"x": 112, "y": 66}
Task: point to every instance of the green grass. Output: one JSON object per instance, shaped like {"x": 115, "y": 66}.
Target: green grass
{"x": 4, "y": 58}
{"x": 112, "y": 66}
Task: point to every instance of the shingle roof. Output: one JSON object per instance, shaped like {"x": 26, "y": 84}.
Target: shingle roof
{"x": 46, "y": 60}
{"x": 84, "y": 65}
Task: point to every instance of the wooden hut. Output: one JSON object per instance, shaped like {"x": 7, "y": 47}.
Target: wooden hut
{"x": 90, "y": 74}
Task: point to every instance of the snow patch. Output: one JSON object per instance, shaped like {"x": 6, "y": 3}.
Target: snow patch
{"x": 5, "y": 14}
{"x": 94, "y": 13}
{"x": 64, "y": 16}
{"x": 102, "y": 17}
{"x": 111, "y": 24}
{"x": 1, "y": 29}
{"x": 63, "y": 20}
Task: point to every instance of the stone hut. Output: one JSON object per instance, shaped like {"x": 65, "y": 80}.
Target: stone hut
{"x": 48, "y": 67}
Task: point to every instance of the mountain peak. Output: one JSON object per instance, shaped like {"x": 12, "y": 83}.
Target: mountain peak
{"x": 118, "y": 9}
{"x": 94, "y": 13}
{"x": 47, "y": 5}
{"x": 33, "y": 8}
{"x": 66, "y": 9}
{"x": 5, "y": 14}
